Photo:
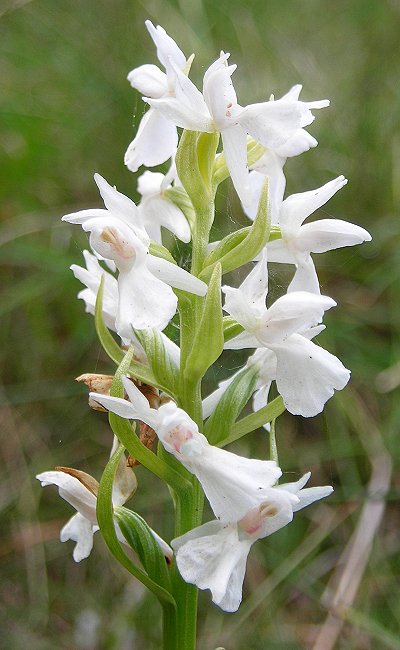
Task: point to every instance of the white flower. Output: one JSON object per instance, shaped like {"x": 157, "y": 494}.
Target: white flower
{"x": 270, "y": 123}
{"x": 231, "y": 483}
{"x": 157, "y": 138}
{"x": 271, "y": 165}
{"x": 91, "y": 277}
{"x": 144, "y": 283}
{"x": 299, "y": 240}
{"x": 306, "y": 374}
{"x": 214, "y": 556}
{"x": 157, "y": 210}
{"x": 80, "y": 490}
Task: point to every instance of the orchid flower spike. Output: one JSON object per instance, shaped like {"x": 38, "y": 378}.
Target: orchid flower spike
{"x": 144, "y": 282}
{"x": 299, "y": 241}
{"x": 157, "y": 138}
{"x": 214, "y": 555}
{"x": 232, "y": 484}
{"x": 80, "y": 491}
{"x": 306, "y": 374}
{"x": 270, "y": 123}
{"x": 157, "y": 210}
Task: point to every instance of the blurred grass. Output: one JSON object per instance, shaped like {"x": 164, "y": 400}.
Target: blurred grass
{"x": 67, "y": 111}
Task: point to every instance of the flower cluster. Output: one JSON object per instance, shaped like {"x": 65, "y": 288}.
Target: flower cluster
{"x": 143, "y": 288}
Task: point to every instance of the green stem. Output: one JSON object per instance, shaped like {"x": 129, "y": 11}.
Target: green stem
{"x": 204, "y": 220}
{"x": 170, "y": 636}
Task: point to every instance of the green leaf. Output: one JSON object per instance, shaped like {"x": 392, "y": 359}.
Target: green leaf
{"x": 164, "y": 370}
{"x": 158, "y": 250}
{"x": 108, "y": 343}
{"x": 219, "y": 424}
{"x": 255, "y": 420}
{"x": 105, "y": 518}
{"x": 208, "y": 341}
{"x": 140, "y": 538}
{"x": 251, "y": 245}
{"x": 232, "y": 240}
{"x": 231, "y": 328}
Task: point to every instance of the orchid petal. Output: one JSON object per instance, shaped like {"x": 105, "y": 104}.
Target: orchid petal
{"x": 149, "y": 80}
{"x": 297, "y": 207}
{"x": 80, "y": 530}
{"x": 183, "y": 115}
{"x": 166, "y": 46}
{"x": 291, "y": 313}
{"x": 156, "y": 141}
{"x": 307, "y": 375}
{"x": 215, "y": 561}
{"x": 271, "y": 123}
{"x": 176, "y": 276}
{"x": 309, "y": 495}
{"x": 73, "y": 491}
{"x": 305, "y": 277}
{"x": 116, "y": 405}
{"x": 162, "y": 212}
{"x": 145, "y": 301}
{"x": 329, "y": 234}
{"x": 117, "y": 203}
{"x": 234, "y": 143}
{"x": 85, "y": 215}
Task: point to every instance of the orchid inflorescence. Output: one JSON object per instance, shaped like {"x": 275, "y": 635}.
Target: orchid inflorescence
{"x": 134, "y": 287}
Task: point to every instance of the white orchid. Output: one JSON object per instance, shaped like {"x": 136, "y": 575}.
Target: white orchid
{"x": 299, "y": 241}
{"x": 157, "y": 210}
{"x": 270, "y": 123}
{"x": 156, "y": 139}
{"x": 91, "y": 277}
{"x": 306, "y": 374}
{"x": 144, "y": 282}
{"x": 80, "y": 490}
{"x": 214, "y": 555}
{"x": 231, "y": 483}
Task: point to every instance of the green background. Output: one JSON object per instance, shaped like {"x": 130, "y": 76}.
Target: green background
{"x": 68, "y": 111}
